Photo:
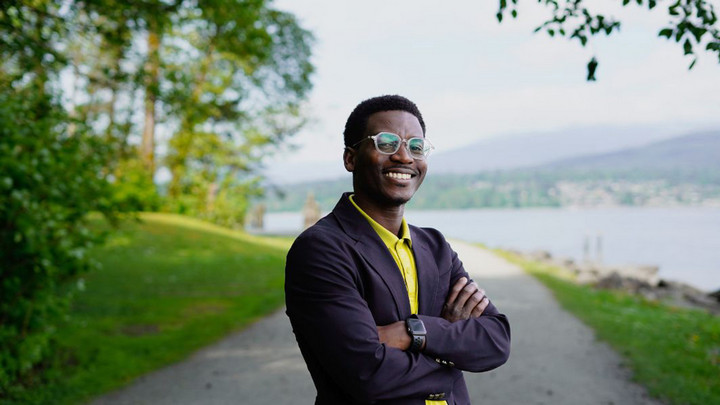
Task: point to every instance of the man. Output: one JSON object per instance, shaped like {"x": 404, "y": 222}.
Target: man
{"x": 384, "y": 312}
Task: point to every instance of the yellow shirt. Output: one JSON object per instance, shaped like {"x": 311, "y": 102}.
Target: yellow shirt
{"x": 401, "y": 250}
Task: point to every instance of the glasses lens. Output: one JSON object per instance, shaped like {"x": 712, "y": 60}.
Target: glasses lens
{"x": 417, "y": 147}
{"x": 387, "y": 143}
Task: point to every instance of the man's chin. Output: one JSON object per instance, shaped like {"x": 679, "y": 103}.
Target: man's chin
{"x": 398, "y": 199}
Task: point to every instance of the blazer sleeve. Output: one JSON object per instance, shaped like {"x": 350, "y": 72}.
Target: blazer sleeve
{"x": 335, "y": 327}
{"x": 475, "y": 344}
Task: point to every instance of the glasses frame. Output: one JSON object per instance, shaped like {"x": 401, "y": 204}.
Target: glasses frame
{"x": 424, "y": 156}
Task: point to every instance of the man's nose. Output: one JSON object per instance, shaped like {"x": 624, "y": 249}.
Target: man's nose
{"x": 403, "y": 154}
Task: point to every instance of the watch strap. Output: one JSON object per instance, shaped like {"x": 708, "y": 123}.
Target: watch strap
{"x": 417, "y": 340}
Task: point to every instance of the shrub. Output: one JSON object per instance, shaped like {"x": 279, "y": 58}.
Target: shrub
{"x": 51, "y": 177}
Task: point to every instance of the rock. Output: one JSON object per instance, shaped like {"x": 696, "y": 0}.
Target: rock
{"x": 540, "y": 255}
{"x": 616, "y": 281}
{"x": 715, "y": 295}
{"x": 641, "y": 280}
{"x": 585, "y": 277}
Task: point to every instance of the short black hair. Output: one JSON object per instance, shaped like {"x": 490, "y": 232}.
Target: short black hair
{"x": 357, "y": 121}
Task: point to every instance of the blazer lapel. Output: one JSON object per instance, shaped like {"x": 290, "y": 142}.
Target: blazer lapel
{"x": 427, "y": 273}
{"x": 374, "y": 251}
{"x": 381, "y": 261}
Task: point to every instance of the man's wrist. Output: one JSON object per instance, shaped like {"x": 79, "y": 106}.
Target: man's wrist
{"x": 416, "y": 330}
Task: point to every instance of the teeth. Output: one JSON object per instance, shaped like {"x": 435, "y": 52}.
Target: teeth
{"x": 401, "y": 176}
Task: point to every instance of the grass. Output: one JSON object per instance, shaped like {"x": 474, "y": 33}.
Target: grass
{"x": 673, "y": 352}
{"x": 168, "y": 286}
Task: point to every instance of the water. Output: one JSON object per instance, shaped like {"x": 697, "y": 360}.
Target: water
{"x": 683, "y": 242}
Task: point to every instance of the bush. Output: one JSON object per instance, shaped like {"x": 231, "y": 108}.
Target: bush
{"x": 51, "y": 177}
{"x": 133, "y": 188}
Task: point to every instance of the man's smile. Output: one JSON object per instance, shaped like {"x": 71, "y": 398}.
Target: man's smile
{"x": 398, "y": 176}
{"x": 400, "y": 173}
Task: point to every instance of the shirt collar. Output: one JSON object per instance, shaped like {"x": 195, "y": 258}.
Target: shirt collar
{"x": 387, "y": 237}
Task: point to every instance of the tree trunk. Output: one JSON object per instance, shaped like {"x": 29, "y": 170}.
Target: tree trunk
{"x": 147, "y": 151}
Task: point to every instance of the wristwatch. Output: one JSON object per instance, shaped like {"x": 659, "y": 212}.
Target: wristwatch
{"x": 417, "y": 332}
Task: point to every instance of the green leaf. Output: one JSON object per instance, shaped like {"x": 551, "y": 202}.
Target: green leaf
{"x": 692, "y": 64}
{"x": 687, "y": 46}
{"x": 499, "y": 17}
{"x": 591, "y": 68}
{"x": 665, "y": 32}
{"x": 697, "y": 32}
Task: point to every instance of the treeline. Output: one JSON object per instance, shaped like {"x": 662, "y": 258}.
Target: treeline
{"x": 99, "y": 100}
{"x": 530, "y": 188}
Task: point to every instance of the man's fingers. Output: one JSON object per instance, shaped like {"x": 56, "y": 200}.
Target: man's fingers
{"x": 480, "y": 308}
{"x": 455, "y": 290}
{"x": 461, "y": 303}
{"x": 473, "y": 300}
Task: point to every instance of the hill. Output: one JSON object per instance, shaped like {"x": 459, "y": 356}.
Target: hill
{"x": 700, "y": 151}
{"x": 537, "y": 148}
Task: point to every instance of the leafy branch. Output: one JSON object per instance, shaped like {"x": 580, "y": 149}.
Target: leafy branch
{"x": 693, "y": 23}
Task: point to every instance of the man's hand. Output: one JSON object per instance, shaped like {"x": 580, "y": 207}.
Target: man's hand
{"x": 465, "y": 300}
{"x": 395, "y": 335}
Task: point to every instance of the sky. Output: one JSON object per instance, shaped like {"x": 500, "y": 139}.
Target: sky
{"x": 474, "y": 78}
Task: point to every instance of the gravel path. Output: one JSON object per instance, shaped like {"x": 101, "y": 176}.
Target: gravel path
{"x": 554, "y": 358}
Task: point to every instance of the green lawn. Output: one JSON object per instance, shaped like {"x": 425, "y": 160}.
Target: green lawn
{"x": 674, "y": 352}
{"x": 168, "y": 286}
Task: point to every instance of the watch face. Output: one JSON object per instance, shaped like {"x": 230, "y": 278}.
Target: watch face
{"x": 417, "y": 326}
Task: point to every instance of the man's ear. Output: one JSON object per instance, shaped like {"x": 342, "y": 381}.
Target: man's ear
{"x": 349, "y": 159}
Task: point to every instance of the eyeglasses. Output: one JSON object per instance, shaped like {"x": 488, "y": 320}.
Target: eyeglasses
{"x": 388, "y": 143}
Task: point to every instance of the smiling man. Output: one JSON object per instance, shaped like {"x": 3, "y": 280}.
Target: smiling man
{"x": 383, "y": 311}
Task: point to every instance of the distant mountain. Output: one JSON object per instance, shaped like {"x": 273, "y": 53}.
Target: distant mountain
{"x": 533, "y": 149}
{"x": 699, "y": 151}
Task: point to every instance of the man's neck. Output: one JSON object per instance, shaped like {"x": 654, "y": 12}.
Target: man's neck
{"x": 389, "y": 217}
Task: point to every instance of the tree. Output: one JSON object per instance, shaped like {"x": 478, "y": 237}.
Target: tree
{"x": 224, "y": 78}
{"x": 692, "y": 23}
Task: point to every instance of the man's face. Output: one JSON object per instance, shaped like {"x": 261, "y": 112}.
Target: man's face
{"x": 379, "y": 179}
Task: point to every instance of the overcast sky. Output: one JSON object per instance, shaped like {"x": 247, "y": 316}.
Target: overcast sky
{"x": 474, "y": 78}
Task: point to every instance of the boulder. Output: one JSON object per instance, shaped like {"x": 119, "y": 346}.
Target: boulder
{"x": 715, "y": 295}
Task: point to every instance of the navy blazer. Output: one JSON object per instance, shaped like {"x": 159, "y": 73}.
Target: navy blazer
{"x": 341, "y": 282}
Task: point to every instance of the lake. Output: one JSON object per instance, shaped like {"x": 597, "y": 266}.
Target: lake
{"x": 684, "y": 242}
